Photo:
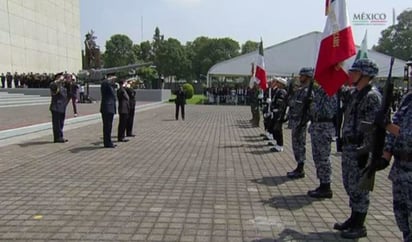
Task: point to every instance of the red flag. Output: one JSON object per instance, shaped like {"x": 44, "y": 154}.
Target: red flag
{"x": 260, "y": 72}
{"x": 336, "y": 46}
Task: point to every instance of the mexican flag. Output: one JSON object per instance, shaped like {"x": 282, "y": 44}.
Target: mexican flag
{"x": 337, "y": 45}
{"x": 260, "y": 72}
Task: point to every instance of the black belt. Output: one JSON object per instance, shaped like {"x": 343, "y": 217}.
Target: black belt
{"x": 403, "y": 156}
{"x": 323, "y": 120}
{"x": 351, "y": 140}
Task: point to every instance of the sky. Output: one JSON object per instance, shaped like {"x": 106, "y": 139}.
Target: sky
{"x": 274, "y": 21}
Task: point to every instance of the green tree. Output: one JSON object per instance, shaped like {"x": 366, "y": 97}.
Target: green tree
{"x": 249, "y": 46}
{"x": 119, "y": 51}
{"x": 146, "y": 53}
{"x": 158, "y": 40}
{"x": 205, "y": 52}
{"x": 396, "y": 40}
{"x": 172, "y": 59}
{"x": 148, "y": 75}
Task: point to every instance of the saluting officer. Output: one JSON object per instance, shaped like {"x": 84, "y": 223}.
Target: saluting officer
{"x": 108, "y": 108}
{"x": 322, "y": 130}
{"x": 398, "y": 143}
{"x": 58, "y": 107}
{"x": 124, "y": 109}
{"x": 364, "y": 103}
{"x": 298, "y": 125}
{"x": 132, "y": 105}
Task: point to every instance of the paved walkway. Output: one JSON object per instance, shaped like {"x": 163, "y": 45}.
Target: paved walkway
{"x": 208, "y": 178}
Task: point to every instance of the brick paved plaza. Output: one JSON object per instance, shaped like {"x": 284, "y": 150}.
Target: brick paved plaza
{"x": 208, "y": 178}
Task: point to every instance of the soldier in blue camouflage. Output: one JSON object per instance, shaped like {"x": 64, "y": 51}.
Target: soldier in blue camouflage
{"x": 364, "y": 104}
{"x": 399, "y": 144}
{"x": 322, "y": 129}
{"x": 298, "y": 127}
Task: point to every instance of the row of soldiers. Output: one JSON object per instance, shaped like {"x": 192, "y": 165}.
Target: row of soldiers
{"x": 309, "y": 105}
{"x": 28, "y": 80}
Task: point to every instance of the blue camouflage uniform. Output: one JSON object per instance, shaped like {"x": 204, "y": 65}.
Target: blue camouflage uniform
{"x": 299, "y": 133}
{"x": 401, "y": 172}
{"x": 322, "y": 130}
{"x": 361, "y": 111}
{"x": 362, "y": 108}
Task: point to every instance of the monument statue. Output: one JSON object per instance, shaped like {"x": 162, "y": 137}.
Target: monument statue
{"x": 92, "y": 51}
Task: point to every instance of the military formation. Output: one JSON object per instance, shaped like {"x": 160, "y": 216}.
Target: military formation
{"x": 307, "y": 108}
{"x": 26, "y": 80}
{"x": 63, "y": 89}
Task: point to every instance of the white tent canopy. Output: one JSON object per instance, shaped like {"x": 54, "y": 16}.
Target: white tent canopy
{"x": 286, "y": 59}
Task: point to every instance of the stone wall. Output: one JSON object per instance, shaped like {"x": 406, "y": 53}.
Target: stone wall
{"x": 40, "y": 36}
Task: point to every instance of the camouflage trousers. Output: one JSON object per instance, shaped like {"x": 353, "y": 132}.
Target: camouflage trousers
{"x": 299, "y": 143}
{"x": 402, "y": 198}
{"x": 321, "y": 137}
{"x": 255, "y": 114}
{"x": 351, "y": 173}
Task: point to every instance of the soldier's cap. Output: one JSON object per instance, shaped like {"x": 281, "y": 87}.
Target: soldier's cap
{"x": 281, "y": 80}
{"x": 57, "y": 75}
{"x": 111, "y": 74}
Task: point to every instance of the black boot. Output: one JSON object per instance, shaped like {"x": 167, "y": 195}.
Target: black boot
{"x": 345, "y": 225}
{"x": 297, "y": 173}
{"x": 323, "y": 191}
{"x": 358, "y": 230}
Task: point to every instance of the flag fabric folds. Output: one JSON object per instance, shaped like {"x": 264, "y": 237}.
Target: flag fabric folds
{"x": 336, "y": 46}
{"x": 252, "y": 76}
{"x": 260, "y": 72}
{"x": 363, "y": 51}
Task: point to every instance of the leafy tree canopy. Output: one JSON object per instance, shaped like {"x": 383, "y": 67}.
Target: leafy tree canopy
{"x": 396, "y": 40}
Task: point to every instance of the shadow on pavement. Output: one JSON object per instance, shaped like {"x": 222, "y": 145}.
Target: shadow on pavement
{"x": 253, "y": 140}
{"x": 97, "y": 143}
{"x": 290, "y": 202}
{"x": 244, "y": 124}
{"x": 293, "y": 235}
{"x": 34, "y": 143}
{"x": 251, "y": 136}
{"x": 261, "y": 152}
{"x": 241, "y": 145}
{"x": 89, "y": 148}
{"x": 271, "y": 180}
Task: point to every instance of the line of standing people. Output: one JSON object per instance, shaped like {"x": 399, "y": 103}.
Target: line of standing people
{"x": 63, "y": 90}
{"x": 126, "y": 96}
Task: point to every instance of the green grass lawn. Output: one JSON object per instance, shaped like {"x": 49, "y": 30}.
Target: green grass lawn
{"x": 196, "y": 99}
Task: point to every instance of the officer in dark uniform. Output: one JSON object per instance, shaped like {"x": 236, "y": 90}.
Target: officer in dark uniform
{"x": 108, "y": 108}
{"x": 9, "y": 79}
{"x": 58, "y": 107}
{"x": 3, "y": 80}
{"x": 398, "y": 143}
{"x": 364, "y": 104}
{"x": 132, "y": 104}
{"x": 124, "y": 110}
{"x": 278, "y": 107}
{"x": 180, "y": 102}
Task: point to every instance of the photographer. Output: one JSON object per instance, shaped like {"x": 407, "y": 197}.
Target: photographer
{"x": 180, "y": 102}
